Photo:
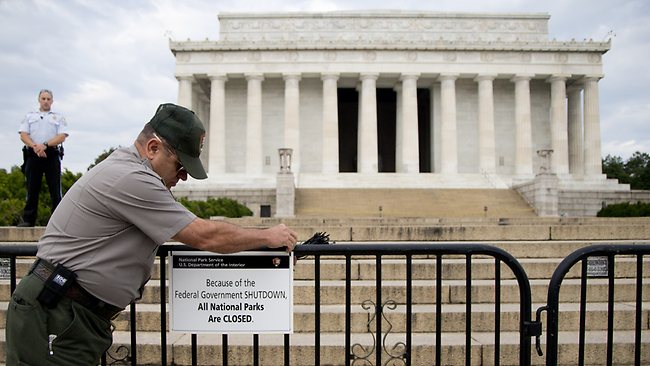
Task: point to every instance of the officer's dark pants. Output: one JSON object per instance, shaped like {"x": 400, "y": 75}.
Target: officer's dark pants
{"x": 35, "y": 167}
{"x": 67, "y": 335}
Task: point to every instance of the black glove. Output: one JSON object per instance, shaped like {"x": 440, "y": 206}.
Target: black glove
{"x": 316, "y": 239}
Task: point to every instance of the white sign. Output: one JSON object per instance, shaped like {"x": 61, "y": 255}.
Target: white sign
{"x": 597, "y": 266}
{"x": 5, "y": 269}
{"x": 248, "y": 292}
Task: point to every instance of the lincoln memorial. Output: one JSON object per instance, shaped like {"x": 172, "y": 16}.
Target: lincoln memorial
{"x": 392, "y": 99}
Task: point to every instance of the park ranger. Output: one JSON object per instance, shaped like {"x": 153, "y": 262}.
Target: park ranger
{"x": 98, "y": 249}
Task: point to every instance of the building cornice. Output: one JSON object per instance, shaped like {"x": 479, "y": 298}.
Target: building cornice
{"x": 440, "y": 45}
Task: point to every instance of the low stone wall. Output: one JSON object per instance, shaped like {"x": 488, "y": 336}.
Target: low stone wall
{"x": 550, "y": 199}
{"x": 476, "y": 230}
{"x": 588, "y": 203}
{"x": 541, "y": 194}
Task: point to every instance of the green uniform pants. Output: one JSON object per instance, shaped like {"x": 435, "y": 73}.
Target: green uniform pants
{"x": 69, "y": 334}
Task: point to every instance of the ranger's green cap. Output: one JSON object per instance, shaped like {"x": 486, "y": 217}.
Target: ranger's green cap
{"x": 184, "y": 132}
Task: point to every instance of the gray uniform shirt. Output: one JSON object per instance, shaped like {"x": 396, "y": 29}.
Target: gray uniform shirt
{"x": 109, "y": 225}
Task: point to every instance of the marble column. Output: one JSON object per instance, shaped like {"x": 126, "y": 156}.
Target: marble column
{"x": 408, "y": 145}
{"x": 217, "y": 137}
{"x": 399, "y": 129}
{"x": 592, "y": 153}
{"x": 434, "y": 127}
{"x": 523, "y": 128}
{"x": 330, "y": 133}
{"x": 254, "y": 161}
{"x": 185, "y": 90}
{"x": 574, "y": 101}
{"x": 448, "y": 134}
{"x": 486, "y": 143}
{"x": 559, "y": 125}
{"x": 202, "y": 111}
{"x": 292, "y": 117}
{"x": 367, "y": 149}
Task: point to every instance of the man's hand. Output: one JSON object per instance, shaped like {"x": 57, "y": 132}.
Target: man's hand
{"x": 223, "y": 237}
{"x": 39, "y": 149}
{"x": 281, "y": 236}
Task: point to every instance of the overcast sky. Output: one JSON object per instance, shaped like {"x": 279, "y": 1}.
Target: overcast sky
{"x": 109, "y": 64}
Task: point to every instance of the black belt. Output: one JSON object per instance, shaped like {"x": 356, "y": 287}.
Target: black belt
{"x": 43, "y": 270}
{"x": 49, "y": 151}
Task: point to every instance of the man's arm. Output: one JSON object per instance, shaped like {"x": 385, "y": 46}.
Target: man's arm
{"x": 26, "y": 139}
{"x": 39, "y": 148}
{"x": 223, "y": 237}
{"x": 57, "y": 140}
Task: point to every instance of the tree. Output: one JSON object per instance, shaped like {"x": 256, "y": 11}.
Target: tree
{"x": 102, "y": 156}
{"x": 13, "y": 194}
{"x": 638, "y": 168}
{"x": 635, "y": 171}
{"x": 614, "y": 167}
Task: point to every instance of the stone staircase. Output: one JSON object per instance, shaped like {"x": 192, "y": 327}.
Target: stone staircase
{"x": 538, "y": 244}
{"x": 411, "y": 202}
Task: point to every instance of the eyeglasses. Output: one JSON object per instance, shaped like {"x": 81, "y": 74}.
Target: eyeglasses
{"x": 179, "y": 167}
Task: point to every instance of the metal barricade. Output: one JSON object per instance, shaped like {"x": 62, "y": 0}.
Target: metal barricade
{"x": 379, "y": 353}
{"x": 610, "y": 252}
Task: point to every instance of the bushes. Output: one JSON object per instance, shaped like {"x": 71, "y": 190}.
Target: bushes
{"x": 13, "y": 193}
{"x": 12, "y": 196}
{"x": 11, "y": 211}
{"x": 216, "y": 207}
{"x": 626, "y": 209}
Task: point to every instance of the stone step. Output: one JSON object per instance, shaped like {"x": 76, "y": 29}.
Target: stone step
{"x": 482, "y": 268}
{"x": 520, "y": 249}
{"x": 429, "y": 220}
{"x": 412, "y": 202}
{"x": 474, "y": 230}
{"x": 332, "y": 318}
{"x": 332, "y": 348}
{"x": 453, "y": 291}
{"x": 394, "y": 268}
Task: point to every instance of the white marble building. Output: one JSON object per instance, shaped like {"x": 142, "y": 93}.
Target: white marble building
{"x": 393, "y": 99}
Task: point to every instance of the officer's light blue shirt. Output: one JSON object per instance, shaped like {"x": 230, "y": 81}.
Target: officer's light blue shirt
{"x": 42, "y": 126}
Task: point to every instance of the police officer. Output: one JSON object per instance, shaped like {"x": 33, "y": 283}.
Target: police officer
{"x": 42, "y": 132}
{"x": 99, "y": 247}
